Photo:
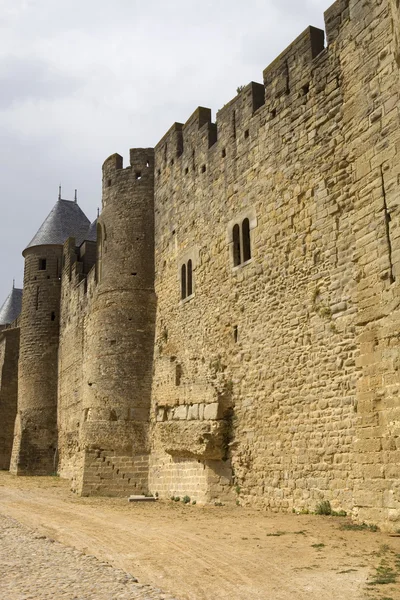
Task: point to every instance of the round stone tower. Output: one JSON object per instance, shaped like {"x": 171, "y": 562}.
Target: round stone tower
{"x": 119, "y": 334}
{"x": 35, "y": 436}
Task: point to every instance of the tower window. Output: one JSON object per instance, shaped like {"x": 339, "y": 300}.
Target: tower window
{"x": 183, "y": 282}
{"x": 187, "y": 280}
{"x": 42, "y": 264}
{"x": 241, "y": 242}
{"x": 246, "y": 239}
{"x": 99, "y": 252}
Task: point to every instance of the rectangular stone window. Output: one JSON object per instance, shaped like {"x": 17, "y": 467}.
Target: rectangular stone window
{"x": 186, "y": 272}
{"x": 42, "y": 264}
{"x": 187, "y": 280}
{"x": 239, "y": 237}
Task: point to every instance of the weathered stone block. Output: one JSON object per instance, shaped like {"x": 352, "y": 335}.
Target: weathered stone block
{"x": 211, "y": 411}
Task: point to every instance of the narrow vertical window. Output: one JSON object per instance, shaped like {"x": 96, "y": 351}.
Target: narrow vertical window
{"x": 99, "y": 249}
{"x": 246, "y": 240}
{"x": 42, "y": 264}
{"x": 189, "y": 278}
{"x": 183, "y": 282}
{"x": 37, "y": 299}
{"x": 236, "y": 245}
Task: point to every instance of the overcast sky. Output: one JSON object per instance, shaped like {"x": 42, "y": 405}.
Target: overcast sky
{"x": 82, "y": 79}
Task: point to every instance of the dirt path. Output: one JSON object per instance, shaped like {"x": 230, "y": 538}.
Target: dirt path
{"x": 204, "y": 553}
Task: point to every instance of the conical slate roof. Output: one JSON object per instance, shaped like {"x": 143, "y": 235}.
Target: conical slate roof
{"x": 91, "y": 234}
{"x": 11, "y": 308}
{"x": 65, "y": 220}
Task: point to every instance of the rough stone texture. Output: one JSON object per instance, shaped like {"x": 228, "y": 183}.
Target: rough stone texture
{"x": 278, "y": 375}
{"x": 9, "y": 349}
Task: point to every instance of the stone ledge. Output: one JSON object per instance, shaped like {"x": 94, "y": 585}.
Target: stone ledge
{"x": 200, "y": 439}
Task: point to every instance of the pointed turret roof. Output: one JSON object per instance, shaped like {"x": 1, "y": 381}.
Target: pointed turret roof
{"x": 91, "y": 234}
{"x": 11, "y": 308}
{"x": 65, "y": 220}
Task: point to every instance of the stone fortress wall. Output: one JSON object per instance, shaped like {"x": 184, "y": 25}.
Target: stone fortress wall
{"x": 238, "y": 337}
{"x": 291, "y": 347}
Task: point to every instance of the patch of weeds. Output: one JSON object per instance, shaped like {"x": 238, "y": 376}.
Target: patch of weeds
{"x": 276, "y": 534}
{"x": 193, "y": 502}
{"x": 177, "y": 498}
{"x": 237, "y": 489}
{"x": 218, "y": 504}
{"x": 359, "y": 527}
{"x": 325, "y": 311}
{"x": 301, "y": 532}
{"x": 384, "y": 575}
{"x": 186, "y": 499}
{"x": 318, "y": 546}
{"x": 323, "y": 508}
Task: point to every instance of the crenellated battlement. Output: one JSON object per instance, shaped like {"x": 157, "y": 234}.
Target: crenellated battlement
{"x": 285, "y": 80}
{"x": 141, "y": 168}
{"x": 140, "y": 158}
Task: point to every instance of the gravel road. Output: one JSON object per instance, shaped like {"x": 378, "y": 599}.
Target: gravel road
{"x": 35, "y": 567}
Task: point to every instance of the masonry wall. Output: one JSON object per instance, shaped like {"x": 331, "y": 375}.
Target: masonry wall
{"x": 9, "y": 350}
{"x": 76, "y": 294}
{"x": 274, "y": 345}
